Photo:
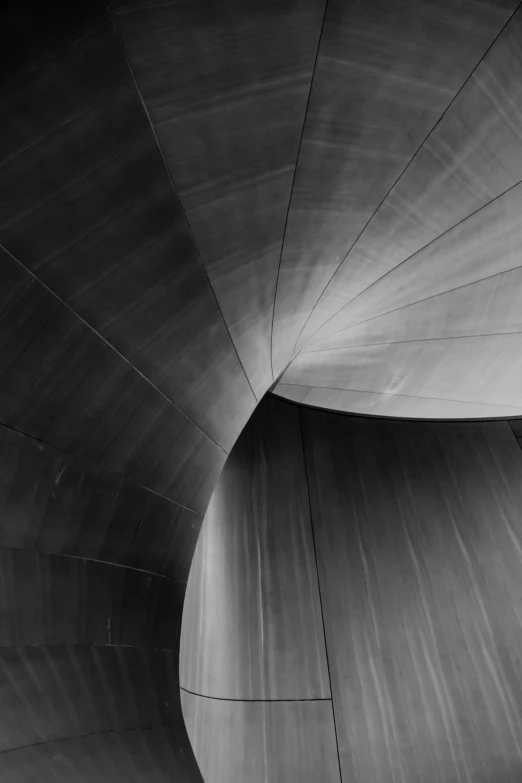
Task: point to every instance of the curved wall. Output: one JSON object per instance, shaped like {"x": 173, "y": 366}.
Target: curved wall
{"x": 254, "y": 574}
{"x": 253, "y": 666}
{"x": 121, "y": 393}
{"x": 417, "y": 532}
{"x": 135, "y": 344}
{"x": 104, "y": 477}
{"x": 93, "y": 570}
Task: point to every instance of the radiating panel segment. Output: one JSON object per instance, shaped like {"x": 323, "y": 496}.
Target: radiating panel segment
{"x": 259, "y": 742}
{"x": 87, "y": 204}
{"x": 473, "y": 155}
{"x": 252, "y": 626}
{"x": 419, "y": 545}
{"x": 382, "y": 81}
{"x": 226, "y": 90}
{"x": 490, "y": 306}
{"x": 61, "y": 383}
{"x": 470, "y": 369}
{"x": 485, "y": 244}
{"x": 417, "y": 331}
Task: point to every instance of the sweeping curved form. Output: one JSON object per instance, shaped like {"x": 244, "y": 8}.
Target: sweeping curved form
{"x": 180, "y": 183}
{"x": 418, "y": 315}
{"x": 352, "y": 611}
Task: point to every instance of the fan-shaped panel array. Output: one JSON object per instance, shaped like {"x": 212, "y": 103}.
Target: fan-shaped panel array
{"x": 382, "y": 82}
{"x": 437, "y": 261}
{"x": 191, "y": 193}
{"x": 226, "y": 91}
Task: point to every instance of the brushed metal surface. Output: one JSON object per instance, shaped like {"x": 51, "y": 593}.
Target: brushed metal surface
{"x": 479, "y": 369}
{"x": 117, "y": 362}
{"x": 61, "y": 383}
{"x": 386, "y": 72}
{"x": 489, "y": 306}
{"x": 226, "y": 89}
{"x": 258, "y": 742}
{"x": 155, "y": 756}
{"x": 54, "y": 503}
{"x": 418, "y": 538}
{"x": 484, "y": 245}
{"x": 377, "y": 404}
{"x": 471, "y": 157}
{"x": 252, "y": 626}
{"x": 87, "y": 204}
{"x": 443, "y": 325}
{"x": 54, "y": 599}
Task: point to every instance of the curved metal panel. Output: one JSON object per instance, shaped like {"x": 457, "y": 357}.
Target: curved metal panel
{"x": 226, "y": 89}
{"x": 64, "y": 385}
{"x": 154, "y": 756}
{"x": 471, "y": 157}
{"x": 54, "y": 503}
{"x": 386, "y": 72}
{"x": 89, "y": 208}
{"x": 115, "y": 355}
{"x": 252, "y": 626}
{"x": 263, "y": 741}
{"x": 419, "y": 548}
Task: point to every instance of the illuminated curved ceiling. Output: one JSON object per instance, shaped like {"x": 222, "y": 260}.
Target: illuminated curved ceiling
{"x": 421, "y": 314}
{"x": 349, "y": 174}
{"x": 412, "y": 303}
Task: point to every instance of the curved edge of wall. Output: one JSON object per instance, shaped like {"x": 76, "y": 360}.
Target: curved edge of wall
{"x": 416, "y": 535}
